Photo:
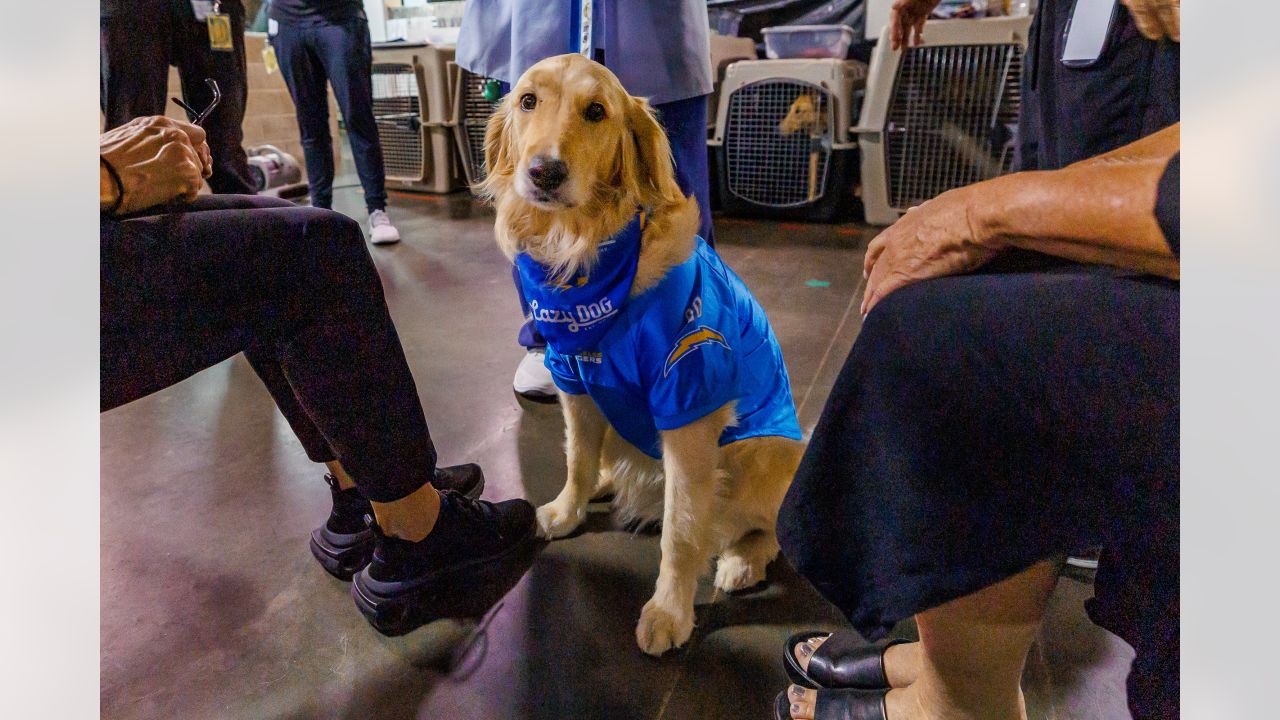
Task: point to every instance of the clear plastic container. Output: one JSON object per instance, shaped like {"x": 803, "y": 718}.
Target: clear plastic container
{"x": 807, "y": 41}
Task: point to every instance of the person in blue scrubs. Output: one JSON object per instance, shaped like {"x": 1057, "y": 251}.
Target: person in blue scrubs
{"x": 659, "y": 49}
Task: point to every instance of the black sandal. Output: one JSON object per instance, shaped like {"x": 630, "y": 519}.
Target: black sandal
{"x": 841, "y": 704}
{"x": 842, "y": 661}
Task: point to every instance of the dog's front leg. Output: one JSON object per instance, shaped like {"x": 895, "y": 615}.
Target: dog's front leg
{"x": 584, "y": 427}
{"x": 690, "y": 456}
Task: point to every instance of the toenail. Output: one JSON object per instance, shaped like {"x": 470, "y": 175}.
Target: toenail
{"x": 805, "y": 649}
{"x": 795, "y": 709}
{"x": 797, "y": 691}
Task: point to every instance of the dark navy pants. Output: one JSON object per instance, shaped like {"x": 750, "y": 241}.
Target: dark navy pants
{"x": 185, "y": 287}
{"x": 311, "y": 54}
{"x": 685, "y": 122}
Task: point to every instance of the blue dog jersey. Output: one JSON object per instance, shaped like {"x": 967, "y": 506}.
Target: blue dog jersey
{"x": 681, "y": 350}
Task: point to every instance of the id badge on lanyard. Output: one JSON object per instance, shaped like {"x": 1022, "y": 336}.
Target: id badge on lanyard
{"x": 218, "y": 23}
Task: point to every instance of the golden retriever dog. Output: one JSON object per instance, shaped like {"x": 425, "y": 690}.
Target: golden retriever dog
{"x": 804, "y": 115}
{"x": 570, "y": 157}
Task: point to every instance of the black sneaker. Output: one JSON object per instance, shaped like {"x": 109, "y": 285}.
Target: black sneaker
{"x": 408, "y": 584}
{"x": 463, "y": 479}
{"x": 344, "y": 543}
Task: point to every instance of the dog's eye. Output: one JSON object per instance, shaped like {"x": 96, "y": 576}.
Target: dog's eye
{"x": 528, "y": 101}
{"x": 594, "y": 112}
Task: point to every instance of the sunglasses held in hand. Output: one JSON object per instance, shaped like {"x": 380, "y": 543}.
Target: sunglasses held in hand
{"x": 197, "y": 118}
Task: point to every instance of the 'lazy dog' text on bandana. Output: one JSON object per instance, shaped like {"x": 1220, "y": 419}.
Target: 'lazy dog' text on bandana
{"x": 574, "y": 317}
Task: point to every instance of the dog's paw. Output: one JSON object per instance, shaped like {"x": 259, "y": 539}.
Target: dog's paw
{"x": 555, "y": 520}
{"x": 734, "y": 573}
{"x": 660, "y": 630}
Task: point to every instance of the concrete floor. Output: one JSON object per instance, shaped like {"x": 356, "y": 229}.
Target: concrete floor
{"x": 212, "y": 607}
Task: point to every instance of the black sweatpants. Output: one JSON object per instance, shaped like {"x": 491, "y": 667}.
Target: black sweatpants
{"x": 294, "y": 288}
{"x": 138, "y": 44}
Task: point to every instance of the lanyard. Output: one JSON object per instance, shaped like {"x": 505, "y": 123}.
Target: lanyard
{"x": 582, "y": 26}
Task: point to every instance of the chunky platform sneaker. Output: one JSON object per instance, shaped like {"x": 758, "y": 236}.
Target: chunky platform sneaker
{"x": 408, "y": 584}
{"x": 344, "y": 543}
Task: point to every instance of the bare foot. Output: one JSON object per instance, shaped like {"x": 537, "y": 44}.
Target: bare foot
{"x": 906, "y": 704}
{"x": 900, "y": 704}
{"x": 901, "y": 661}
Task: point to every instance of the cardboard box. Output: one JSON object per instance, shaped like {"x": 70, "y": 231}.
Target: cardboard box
{"x": 725, "y": 50}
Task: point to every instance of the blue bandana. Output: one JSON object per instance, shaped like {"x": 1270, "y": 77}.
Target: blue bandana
{"x": 575, "y": 316}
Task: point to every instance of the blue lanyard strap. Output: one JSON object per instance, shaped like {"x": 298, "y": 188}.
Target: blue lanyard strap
{"x": 581, "y": 26}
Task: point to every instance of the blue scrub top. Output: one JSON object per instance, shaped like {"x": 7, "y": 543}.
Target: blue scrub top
{"x": 659, "y": 49}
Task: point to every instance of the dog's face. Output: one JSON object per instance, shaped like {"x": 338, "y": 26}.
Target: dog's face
{"x": 568, "y": 135}
{"x": 802, "y": 115}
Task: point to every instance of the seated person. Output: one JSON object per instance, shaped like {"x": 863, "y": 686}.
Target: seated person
{"x": 987, "y": 424}
{"x": 189, "y": 281}
{"x": 1012, "y": 397}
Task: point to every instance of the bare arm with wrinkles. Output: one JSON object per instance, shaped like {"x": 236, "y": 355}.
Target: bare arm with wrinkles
{"x": 1099, "y": 210}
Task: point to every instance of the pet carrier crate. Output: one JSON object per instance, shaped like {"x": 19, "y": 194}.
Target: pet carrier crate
{"x": 782, "y": 146}
{"x": 411, "y": 105}
{"x": 941, "y": 115}
{"x": 471, "y": 111}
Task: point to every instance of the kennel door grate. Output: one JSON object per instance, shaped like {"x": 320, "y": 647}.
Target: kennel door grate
{"x": 952, "y": 119}
{"x": 398, "y": 112}
{"x": 774, "y": 156}
{"x": 476, "y": 110}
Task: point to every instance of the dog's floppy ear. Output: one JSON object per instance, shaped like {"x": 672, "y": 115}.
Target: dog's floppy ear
{"x": 647, "y": 167}
{"x": 499, "y": 159}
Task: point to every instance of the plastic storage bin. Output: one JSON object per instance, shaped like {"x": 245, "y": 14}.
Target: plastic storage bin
{"x": 807, "y": 41}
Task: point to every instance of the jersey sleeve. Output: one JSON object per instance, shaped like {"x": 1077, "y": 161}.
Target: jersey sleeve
{"x": 693, "y": 375}
{"x": 563, "y": 374}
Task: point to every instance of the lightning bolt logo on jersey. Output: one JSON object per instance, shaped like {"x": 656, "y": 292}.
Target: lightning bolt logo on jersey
{"x": 692, "y": 341}
{"x": 678, "y": 352}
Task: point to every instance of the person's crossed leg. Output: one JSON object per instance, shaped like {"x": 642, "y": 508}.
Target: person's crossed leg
{"x": 188, "y": 284}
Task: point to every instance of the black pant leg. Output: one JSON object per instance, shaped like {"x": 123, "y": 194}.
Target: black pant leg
{"x": 304, "y": 75}
{"x": 183, "y": 291}
{"x": 265, "y": 363}
{"x": 134, "y": 54}
{"x": 347, "y": 55}
{"x": 224, "y": 126}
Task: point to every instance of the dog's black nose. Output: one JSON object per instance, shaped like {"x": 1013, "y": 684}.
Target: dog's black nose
{"x": 547, "y": 173}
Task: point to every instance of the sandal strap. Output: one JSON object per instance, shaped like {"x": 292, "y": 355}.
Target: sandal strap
{"x": 844, "y": 660}
{"x": 850, "y": 704}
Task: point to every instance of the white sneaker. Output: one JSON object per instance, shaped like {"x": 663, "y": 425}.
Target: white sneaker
{"x": 533, "y": 379}
{"x": 381, "y": 231}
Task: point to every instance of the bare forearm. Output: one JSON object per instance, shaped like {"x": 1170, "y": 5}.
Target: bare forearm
{"x": 108, "y": 192}
{"x": 1160, "y": 145}
{"x": 1098, "y": 212}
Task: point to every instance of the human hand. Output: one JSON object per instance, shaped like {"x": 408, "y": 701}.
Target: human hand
{"x": 1157, "y": 19}
{"x": 158, "y": 160}
{"x": 906, "y": 22}
{"x": 935, "y": 239}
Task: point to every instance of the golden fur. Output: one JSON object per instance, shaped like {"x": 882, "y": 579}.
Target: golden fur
{"x": 712, "y": 501}
{"x": 803, "y": 115}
